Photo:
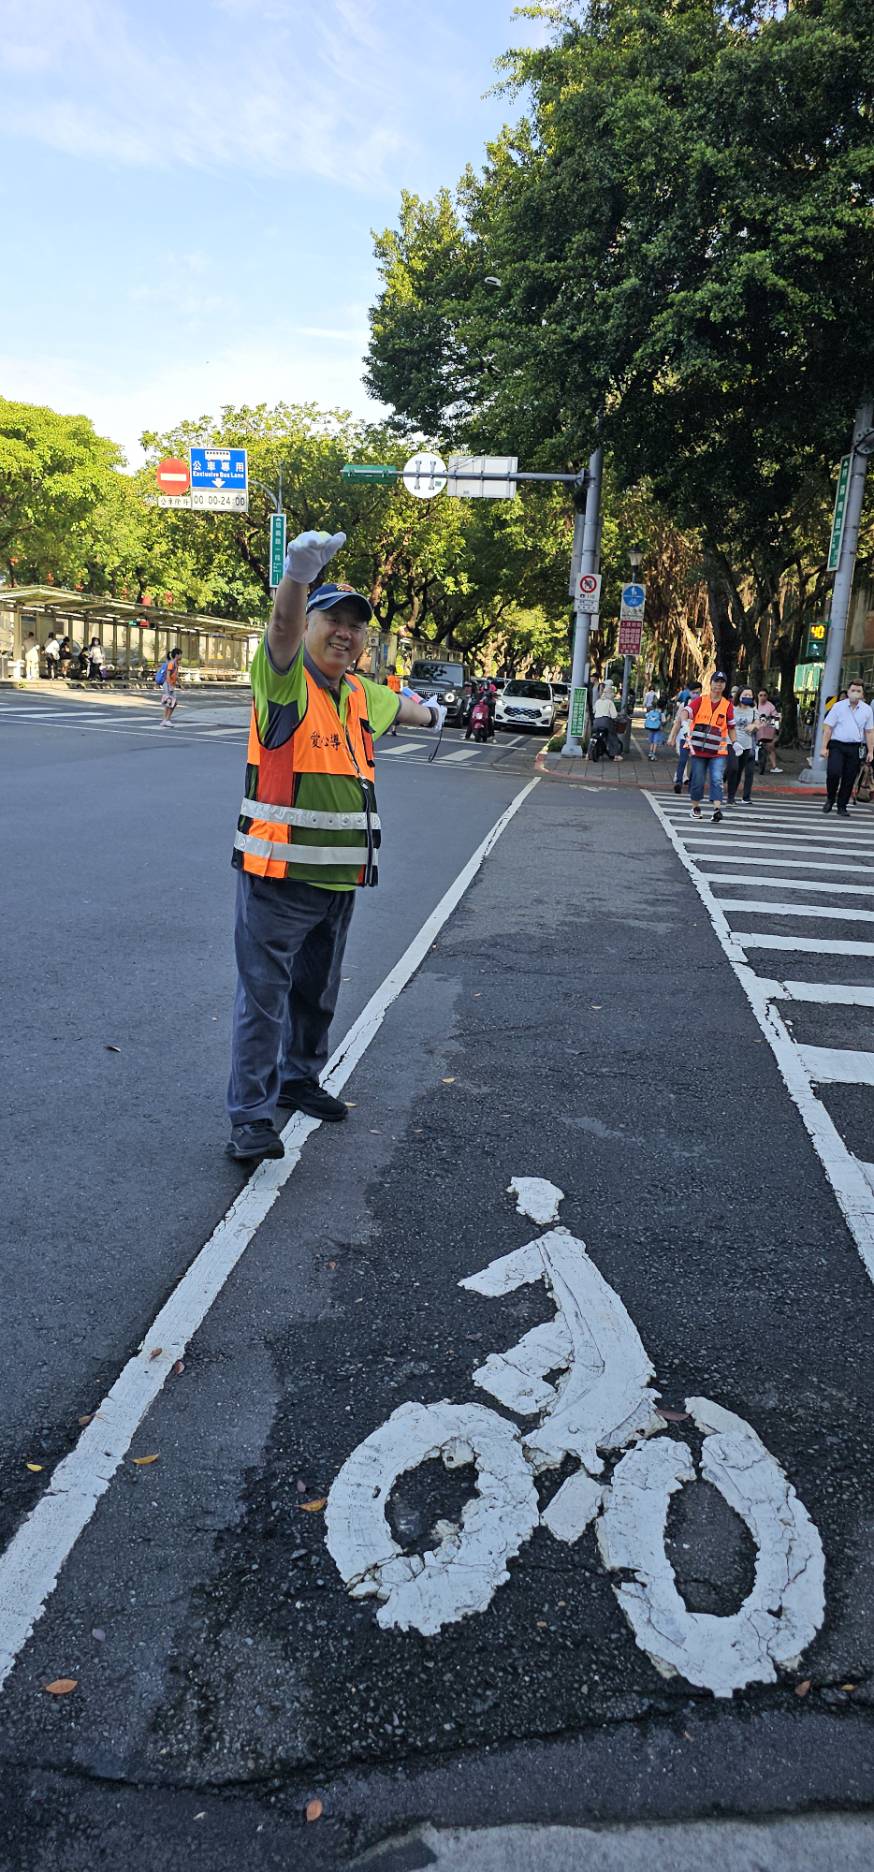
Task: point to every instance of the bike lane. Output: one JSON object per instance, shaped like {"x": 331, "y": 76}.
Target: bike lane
{"x": 574, "y": 1022}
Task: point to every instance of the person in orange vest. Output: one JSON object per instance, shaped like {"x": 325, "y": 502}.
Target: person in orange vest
{"x": 710, "y": 731}
{"x": 308, "y": 836}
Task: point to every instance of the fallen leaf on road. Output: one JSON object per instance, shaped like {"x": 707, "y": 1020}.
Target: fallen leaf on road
{"x": 314, "y": 1810}
{"x": 450, "y": 1080}
{"x": 332, "y": 1264}
{"x": 541, "y": 1624}
{"x": 597, "y": 1005}
{"x": 673, "y": 1416}
{"x": 87, "y": 1418}
{"x": 179, "y": 1367}
{"x": 849, "y": 1688}
{"x": 142, "y": 1462}
{"x": 34, "y": 1467}
{"x": 351, "y": 1104}
{"x": 801, "y": 1689}
{"x": 61, "y": 1686}
{"x": 156, "y": 1351}
{"x": 109, "y": 1048}
{"x": 313, "y": 1507}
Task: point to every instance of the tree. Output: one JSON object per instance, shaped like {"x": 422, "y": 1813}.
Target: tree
{"x": 684, "y": 237}
{"x": 56, "y": 473}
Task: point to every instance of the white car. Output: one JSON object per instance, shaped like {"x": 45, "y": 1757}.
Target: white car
{"x": 526, "y": 703}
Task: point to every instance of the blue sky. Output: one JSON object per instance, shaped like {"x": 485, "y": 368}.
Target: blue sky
{"x": 188, "y": 187}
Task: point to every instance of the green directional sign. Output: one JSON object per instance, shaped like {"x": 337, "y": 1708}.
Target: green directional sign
{"x": 578, "y": 713}
{"x": 368, "y": 471}
{"x": 834, "y": 551}
{"x": 277, "y": 547}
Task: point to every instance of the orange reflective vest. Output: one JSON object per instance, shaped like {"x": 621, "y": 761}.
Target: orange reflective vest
{"x": 310, "y": 806}
{"x": 708, "y": 733}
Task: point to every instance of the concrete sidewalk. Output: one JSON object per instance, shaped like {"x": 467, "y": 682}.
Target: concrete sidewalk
{"x": 637, "y": 770}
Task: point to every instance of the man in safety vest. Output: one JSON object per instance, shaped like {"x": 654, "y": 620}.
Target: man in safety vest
{"x": 711, "y": 728}
{"x": 308, "y": 835}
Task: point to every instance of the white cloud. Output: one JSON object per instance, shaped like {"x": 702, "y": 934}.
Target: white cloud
{"x": 307, "y": 365}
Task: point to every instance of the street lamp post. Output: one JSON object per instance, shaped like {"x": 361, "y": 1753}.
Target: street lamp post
{"x": 830, "y": 681}
{"x": 587, "y": 543}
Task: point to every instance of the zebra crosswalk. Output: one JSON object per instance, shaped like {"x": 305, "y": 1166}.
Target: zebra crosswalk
{"x": 788, "y": 888}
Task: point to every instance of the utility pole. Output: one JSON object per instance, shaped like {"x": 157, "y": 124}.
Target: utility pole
{"x": 830, "y": 681}
{"x": 590, "y": 553}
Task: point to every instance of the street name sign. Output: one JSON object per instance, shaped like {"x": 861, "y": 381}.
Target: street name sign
{"x": 220, "y": 480}
{"x": 482, "y": 477}
{"x": 277, "y": 548}
{"x": 633, "y": 601}
{"x": 425, "y": 475}
{"x": 630, "y": 634}
{"x": 369, "y": 471}
{"x": 834, "y": 551}
{"x": 588, "y": 599}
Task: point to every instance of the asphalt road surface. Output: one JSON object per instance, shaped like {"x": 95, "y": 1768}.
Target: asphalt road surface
{"x": 587, "y": 1017}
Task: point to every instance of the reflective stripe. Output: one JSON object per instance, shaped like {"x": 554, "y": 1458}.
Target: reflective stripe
{"x": 301, "y": 816}
{"x": 284, "y": 853}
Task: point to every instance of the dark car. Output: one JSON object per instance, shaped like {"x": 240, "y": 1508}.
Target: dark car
{"x": 443, "y": 679}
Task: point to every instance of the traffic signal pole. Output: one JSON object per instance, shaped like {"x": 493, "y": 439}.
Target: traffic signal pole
{"x": 830, "y": 681}
{"x": 589, "y": 560}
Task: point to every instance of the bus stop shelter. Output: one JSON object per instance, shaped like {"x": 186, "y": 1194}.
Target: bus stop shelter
{"x": 135, "y": 637}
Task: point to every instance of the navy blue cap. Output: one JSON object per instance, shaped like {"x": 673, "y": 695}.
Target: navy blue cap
{"x": 326, "y": 596}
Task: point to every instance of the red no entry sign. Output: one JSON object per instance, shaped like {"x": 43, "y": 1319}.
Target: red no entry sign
{"x": 172, "y": 475}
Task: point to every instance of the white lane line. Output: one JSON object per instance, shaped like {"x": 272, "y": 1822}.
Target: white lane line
{"x": 780, "y": 883}
{"x": 854, "y": 1192}
{"x": 802, "y": 862}
{"x": 809, "y": 945}
{"x": 31, "y": 1564}
{"x": 838, "y": 1065}
{"x": 754, "y": 908}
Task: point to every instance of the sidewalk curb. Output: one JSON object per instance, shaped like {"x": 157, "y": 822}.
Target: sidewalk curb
{"x": 657, "y": 784}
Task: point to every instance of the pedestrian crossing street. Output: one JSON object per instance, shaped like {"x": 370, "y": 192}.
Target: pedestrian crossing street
{"x": 790, "y": 893}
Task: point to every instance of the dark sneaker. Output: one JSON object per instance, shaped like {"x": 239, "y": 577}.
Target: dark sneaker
{"x": 829, "y": 806}
{"x": 716, "y": 815}
{"x": 249, "y": 1143}
{"x": 843, "y": 813}
{"x": 306, "y": 1095}
{"x": 678, "y": 786}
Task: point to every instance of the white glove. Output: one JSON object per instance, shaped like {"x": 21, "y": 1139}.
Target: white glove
{"x": 309, "y": 553}
{"x": 438, "y": 712}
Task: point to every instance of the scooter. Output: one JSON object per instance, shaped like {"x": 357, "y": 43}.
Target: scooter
{"x": 479, "y": 725}
{"x": 605, "y": 743}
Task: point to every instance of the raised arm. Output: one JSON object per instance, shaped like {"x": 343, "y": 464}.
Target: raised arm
{"x": 303, "y": 562}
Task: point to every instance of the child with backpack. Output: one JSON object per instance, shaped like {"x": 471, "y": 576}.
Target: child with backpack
{"x": 654, "y": 722}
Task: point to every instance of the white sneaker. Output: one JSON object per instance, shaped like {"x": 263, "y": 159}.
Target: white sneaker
{"x": 776, "y": 770}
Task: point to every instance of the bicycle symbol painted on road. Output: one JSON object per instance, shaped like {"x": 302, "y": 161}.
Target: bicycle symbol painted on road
{"x": 601, "y": 1403}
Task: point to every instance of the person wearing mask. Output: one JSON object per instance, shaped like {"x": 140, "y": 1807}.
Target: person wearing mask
{"x": 847, "y": 741}
{"x": 308, "y": 835}
{"x": 742, "y": 761}
{"x": 767, "y": 723}
{"x": 711, "y": 733}
{"x": 52, "y": 655}
{"x": 96, "y": 660}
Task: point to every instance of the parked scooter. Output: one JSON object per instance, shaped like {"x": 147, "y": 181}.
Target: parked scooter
{"x": 605, "y": 743}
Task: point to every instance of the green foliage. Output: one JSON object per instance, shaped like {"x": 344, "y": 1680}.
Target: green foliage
{"x": 56, "y": 474}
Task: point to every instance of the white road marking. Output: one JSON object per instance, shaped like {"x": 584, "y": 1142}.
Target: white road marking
{"x": 827, "y": 994}
{"x": 31, "y": 1564}
{"x": 459, "y": 754}
{"x": 801, "y": 863}
{"x": 809, "y": 945}
{"x": 838, "y": 1065}
{"x": 602, "y": 1402}
{"x": 852, "y": 1189}
{"x": 754, "y": 908}
{"x": 398, "y": 747}
{"x": 779, "y": 883}
{"x": 754, "y": 841}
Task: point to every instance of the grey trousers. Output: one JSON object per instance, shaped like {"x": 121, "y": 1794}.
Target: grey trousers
{"x": 289, "y": 940}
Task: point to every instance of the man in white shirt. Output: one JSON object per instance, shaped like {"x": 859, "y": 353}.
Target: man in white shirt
{"x": 848, "y": 740}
